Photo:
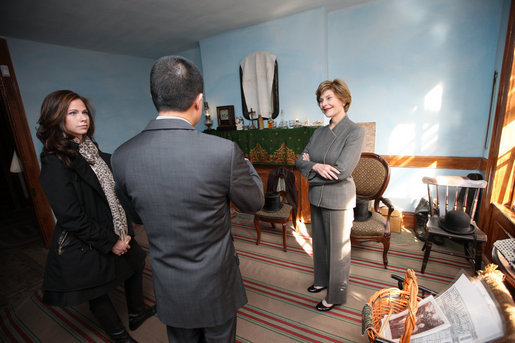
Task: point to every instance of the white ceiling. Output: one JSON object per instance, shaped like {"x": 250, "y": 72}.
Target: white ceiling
{"x": 144, "y": 28}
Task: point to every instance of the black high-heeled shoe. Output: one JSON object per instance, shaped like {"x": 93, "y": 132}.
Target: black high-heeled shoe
{"x": 121, "y": 337}
{"x": 313, "y": 289}
{"x": 321, "y": 307}
{"x": 136, "y": 320}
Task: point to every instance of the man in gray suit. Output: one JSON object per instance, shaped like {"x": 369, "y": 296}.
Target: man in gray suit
{"x": 179, "y": 183}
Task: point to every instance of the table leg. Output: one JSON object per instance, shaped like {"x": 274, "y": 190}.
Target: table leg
{"x": 427, "y": 251}
{"x": 284, "y": 237}
{"x": 258, "y": 230}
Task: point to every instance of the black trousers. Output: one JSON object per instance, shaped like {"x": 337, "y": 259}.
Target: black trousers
{"x": 224, "y": 333}
{"x": 104, "y": 311}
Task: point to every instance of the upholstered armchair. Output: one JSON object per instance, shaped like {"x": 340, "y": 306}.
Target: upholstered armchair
{"x": 371, "y": 176}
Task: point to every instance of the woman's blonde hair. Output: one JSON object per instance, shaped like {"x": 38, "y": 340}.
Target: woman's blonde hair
{"x": 340, "y": 89}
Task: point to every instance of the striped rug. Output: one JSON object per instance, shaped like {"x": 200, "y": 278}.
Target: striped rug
{"x": 279, "y": 308}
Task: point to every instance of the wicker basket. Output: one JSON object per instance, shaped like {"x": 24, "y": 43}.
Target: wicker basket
{"x": 391, "y": 301}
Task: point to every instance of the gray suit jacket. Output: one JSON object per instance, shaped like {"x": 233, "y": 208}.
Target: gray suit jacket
{"x": 341, "y": 148}
{"x": 179, "y": 182}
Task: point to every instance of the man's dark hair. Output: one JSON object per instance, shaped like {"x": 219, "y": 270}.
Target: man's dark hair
{"x": 175, "y": 82}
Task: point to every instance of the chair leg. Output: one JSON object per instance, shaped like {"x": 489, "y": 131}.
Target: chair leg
{"x": 386, "y": 247}
{"x": 427, "y": 251}
{"x": 258, "y": 230}
{"x": 284, "y": 237}
{"x": 478, "y": 255}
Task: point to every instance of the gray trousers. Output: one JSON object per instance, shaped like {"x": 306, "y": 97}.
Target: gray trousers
{"x": 331, "y": 251}
{"x": 224, "y": 333}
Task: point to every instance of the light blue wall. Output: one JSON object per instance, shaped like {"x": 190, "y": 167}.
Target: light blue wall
{"x": 193, "y": 55}
{"x": 396, "y": 55}
{"x": 118, "y": 86}
{"x": 298, "y": 43}
{"x": 392, "y": 53}
{"x": 422, "y": 70}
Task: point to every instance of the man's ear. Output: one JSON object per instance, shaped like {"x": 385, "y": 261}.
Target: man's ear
{"x": 198, "y": 101}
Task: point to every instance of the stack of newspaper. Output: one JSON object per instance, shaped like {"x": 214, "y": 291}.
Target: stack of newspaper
{"x": 465, "y": 312}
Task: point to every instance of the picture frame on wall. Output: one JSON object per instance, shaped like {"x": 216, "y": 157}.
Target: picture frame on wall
{"x": 226, "y": 119}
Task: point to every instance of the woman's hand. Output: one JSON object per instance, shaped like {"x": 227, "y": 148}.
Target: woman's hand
{"x": 305, "y": 157}
{"x": 326, "y": 171}
{"x": 121, "y": 247}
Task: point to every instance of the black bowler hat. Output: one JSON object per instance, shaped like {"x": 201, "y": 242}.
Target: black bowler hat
{"x": 272, "y": 202}
{"x": 457, "y": 222}
{"x": 361, "y": 212}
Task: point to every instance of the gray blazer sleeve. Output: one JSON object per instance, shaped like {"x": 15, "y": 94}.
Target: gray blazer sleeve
{"x": 305, "y": 166}
{"x": 246, "y": 190}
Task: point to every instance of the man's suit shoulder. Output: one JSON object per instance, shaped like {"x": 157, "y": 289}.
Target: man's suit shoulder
{"x": 217, "y": 142}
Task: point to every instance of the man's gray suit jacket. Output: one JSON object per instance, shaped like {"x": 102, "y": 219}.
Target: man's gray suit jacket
{"x": 179, "y": 183}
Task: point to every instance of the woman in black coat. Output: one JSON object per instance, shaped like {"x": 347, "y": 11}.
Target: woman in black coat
{"x": 92, "y": 249}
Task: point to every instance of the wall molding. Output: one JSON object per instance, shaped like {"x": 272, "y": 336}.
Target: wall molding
{"x": 440, "y": 162}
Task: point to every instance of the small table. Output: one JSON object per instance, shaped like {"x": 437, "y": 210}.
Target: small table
{"x": 472, "y": 244}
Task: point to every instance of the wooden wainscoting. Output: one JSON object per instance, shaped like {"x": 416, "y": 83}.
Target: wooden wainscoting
{"x": 440, "y": 162}
{"x": 408, "y": 218}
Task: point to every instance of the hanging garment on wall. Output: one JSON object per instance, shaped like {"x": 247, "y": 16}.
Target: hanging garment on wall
{"x": 259, "y": 85}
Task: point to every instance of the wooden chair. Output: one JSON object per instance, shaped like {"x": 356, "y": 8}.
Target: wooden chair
{"x": 446, "y": 193}
{"x": 282, "y": 216}
{"x": 371, "y": 176}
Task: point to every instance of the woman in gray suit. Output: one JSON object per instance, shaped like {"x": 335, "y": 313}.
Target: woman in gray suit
{"x": 327, "y": 162}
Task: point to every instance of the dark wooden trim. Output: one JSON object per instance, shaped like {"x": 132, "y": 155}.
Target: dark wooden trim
{"x": 440, "y": 162}
{"x": 24, "y": 145}
{"x": 500, "y": 113}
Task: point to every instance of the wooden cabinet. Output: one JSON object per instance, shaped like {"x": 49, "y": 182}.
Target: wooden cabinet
{"x": 502, "y": 223}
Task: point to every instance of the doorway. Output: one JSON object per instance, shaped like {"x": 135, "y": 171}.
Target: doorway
{"x": 15, "y": 203}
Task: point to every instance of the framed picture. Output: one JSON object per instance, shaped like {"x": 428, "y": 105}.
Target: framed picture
{"x": 225, "y": 116}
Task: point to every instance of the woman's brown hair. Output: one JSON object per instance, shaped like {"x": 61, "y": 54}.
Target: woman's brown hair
{"x": 340, "y": 89}
{"x": 51, "y": 124}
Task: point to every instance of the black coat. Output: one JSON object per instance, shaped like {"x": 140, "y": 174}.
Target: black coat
{"x": 81, "y": 258}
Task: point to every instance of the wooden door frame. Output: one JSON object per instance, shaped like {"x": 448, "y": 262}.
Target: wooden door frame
{"x": 24, "y": 144}
{"x": 500, "y": 113}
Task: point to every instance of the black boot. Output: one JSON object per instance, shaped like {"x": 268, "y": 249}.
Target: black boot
{"x": 135, "y": 320}
{"x": 420, "y": 226}
{"x": 121, "y": 337}
{"x": 134, "y": 296}
{"x": 104, "y": 311}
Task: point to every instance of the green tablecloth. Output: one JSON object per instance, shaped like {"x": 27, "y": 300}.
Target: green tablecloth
{"x": 269, "y": 146}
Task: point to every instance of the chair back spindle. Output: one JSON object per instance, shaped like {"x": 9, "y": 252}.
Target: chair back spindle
{"x": 453, "y": 186}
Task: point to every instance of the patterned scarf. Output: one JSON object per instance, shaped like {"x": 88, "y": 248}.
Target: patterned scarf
{"x": 89, "y": 151}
